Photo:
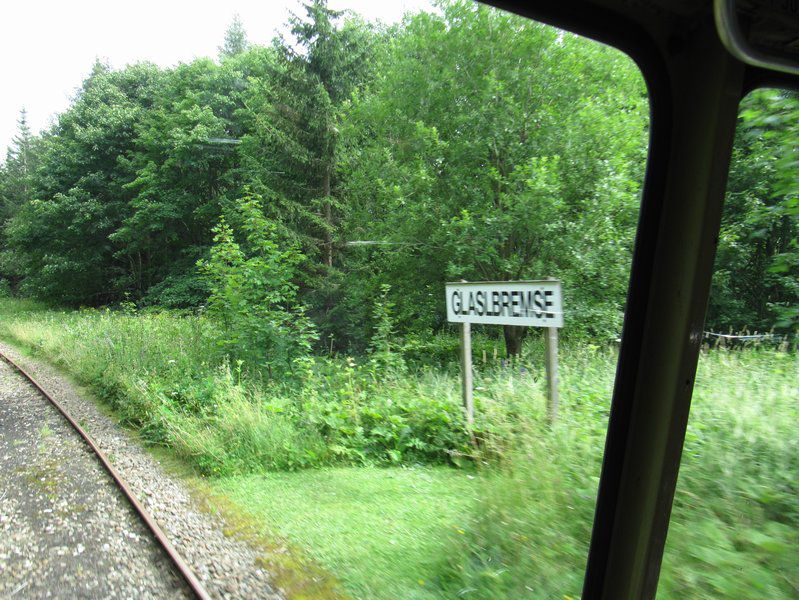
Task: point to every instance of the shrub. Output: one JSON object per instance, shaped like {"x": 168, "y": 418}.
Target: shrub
{"x": 253, "y": 297}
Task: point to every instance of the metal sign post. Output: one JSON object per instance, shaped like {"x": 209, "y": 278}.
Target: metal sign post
{"x": 530, "y": 303}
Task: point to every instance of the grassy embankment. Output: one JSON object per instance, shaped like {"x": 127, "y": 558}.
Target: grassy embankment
{"x": 515, "y": 523}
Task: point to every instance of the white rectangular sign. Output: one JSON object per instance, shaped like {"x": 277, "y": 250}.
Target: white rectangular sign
{"x": 534, "y": 303}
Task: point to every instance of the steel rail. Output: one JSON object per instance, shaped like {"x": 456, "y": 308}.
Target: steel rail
{"x": 192, "y": 581}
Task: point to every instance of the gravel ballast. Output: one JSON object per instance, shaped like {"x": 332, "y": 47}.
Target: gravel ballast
{"x": 66, "y": 531}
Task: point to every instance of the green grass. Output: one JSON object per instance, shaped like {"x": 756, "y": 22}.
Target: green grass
{"x": 735, "y": 524}
{"x": 382, "y": 531}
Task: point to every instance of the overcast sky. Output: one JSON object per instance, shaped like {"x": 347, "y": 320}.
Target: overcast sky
{"x": 48, "y": 46}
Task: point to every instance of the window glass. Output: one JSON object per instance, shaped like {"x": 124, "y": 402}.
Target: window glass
{"x": 733, "y": 532}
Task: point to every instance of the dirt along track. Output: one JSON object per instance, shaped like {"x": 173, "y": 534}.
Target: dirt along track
{"x": 66, "y": 530}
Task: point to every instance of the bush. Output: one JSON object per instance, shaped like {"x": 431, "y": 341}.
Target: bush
{"x": 187, "y": 289}
{"x": 253, "y": 298}
{"x": 168, "y": 376}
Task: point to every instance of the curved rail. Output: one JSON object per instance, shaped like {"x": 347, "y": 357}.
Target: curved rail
{"x": 192, "y": 581}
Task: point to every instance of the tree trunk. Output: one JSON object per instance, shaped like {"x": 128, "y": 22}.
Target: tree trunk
{"x": 514, "y": 336}
{"x": 328, "y": 219}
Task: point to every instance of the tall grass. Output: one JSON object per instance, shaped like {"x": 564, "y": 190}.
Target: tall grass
{"x": 735, "y": 526}
{"x": 164, "y": 375}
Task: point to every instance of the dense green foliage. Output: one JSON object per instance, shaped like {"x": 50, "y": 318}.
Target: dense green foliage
{"x": 756, "y": 281}
{"x": 499, "y": 165}
{"x": 527, "y": 523}
{"x": 407, "y": 156}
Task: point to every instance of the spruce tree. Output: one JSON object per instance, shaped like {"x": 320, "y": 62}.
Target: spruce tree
{"x": 15, "y": 185}
{"x": 329, "y": 61}
{"x": 235, "y": 39}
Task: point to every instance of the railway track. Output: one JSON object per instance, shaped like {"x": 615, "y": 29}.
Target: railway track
{"x": 193, "y": 584}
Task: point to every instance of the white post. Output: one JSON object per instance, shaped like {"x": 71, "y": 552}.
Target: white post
{"x": 466, "y": 372}
{"x": 551, "y": 337}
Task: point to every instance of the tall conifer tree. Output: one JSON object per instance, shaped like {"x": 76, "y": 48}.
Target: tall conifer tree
{"x": 315, "y": 76}
{"x": 15, "y": 186}
{"x": 235, "y": 39}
